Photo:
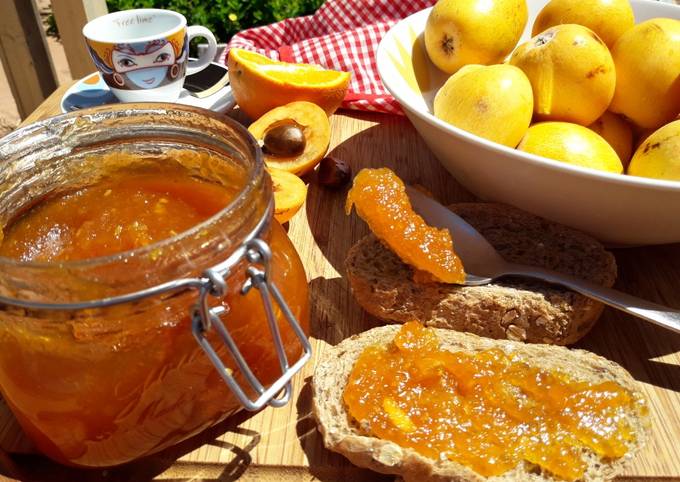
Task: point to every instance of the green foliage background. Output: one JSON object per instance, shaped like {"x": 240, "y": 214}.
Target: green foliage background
{"x": 223, "y": 17}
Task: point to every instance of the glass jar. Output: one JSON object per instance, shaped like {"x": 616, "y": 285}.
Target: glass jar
{"x": 108, "y": 359}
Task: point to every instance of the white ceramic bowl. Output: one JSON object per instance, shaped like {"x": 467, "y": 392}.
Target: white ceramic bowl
{"x": 617, "y": 209}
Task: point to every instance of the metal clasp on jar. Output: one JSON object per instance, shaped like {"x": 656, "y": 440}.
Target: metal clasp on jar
{"x": 258, "y": 256}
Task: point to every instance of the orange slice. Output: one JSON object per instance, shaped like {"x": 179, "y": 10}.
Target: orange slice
{"x": 261, "y": 84}
{"x": 380, "y": 199}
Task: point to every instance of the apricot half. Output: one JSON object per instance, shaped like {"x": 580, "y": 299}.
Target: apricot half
{"x": 294, "y": 137}
{"x": 290, "y": 193}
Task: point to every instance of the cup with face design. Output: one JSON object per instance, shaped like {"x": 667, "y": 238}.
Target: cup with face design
{"x": 142, "y": 54}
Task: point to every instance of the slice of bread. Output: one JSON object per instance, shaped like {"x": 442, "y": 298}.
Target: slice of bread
{"x": 340, "y": 434}
{"x": 512, "y": 308}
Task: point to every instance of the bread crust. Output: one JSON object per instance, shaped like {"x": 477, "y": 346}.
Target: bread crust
{"x": 341, "y": 435}
{"x": 511, "y": 308}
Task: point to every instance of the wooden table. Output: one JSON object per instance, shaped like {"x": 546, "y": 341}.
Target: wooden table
{"x": 283, "y": 444}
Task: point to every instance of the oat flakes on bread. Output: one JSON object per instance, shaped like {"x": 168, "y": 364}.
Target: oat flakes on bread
{"x": 512, "y": 308}
{"x": 342, "y": 435}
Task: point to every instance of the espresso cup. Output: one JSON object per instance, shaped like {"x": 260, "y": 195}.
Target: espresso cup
{"x": 143, "y": 54}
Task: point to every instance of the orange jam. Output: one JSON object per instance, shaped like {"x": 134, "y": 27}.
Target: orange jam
{"x": 380, "y": 199}
{"x": 119, "y": 214}
{"x": 488, "y": 410}
{"x": 103, "y": 387}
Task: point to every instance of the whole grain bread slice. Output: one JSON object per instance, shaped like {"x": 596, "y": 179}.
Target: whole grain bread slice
{"x": 512, "y": 308}
{"x": 342, "y": 434}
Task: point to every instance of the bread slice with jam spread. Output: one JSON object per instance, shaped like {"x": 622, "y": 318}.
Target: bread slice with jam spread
{"x": 353, "y": 439}
{"x": 513, "y": 308}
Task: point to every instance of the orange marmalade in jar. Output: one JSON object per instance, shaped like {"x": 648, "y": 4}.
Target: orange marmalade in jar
{"x": 145, "y": 291}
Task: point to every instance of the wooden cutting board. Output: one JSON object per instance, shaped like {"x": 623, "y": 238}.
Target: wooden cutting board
{"x": 283, "y": 444}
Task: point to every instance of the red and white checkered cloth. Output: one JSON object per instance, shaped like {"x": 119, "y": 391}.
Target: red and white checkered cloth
{"x": 341, "y": 35}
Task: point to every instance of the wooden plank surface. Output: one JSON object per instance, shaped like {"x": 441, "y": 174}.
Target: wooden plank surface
{"x": 71, "y": 16}
{"x": 283, "y": 444}
{"x": 24, "y": 54}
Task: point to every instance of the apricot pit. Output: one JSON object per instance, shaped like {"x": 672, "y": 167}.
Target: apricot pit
{"x": 284, "y": 140}
{"x": 294, "y": 137}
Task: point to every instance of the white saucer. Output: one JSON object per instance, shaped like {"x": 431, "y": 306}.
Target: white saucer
{"x": 92, "y": 91}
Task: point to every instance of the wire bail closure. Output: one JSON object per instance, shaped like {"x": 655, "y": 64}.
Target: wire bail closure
{"x": 257, "y": 254}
